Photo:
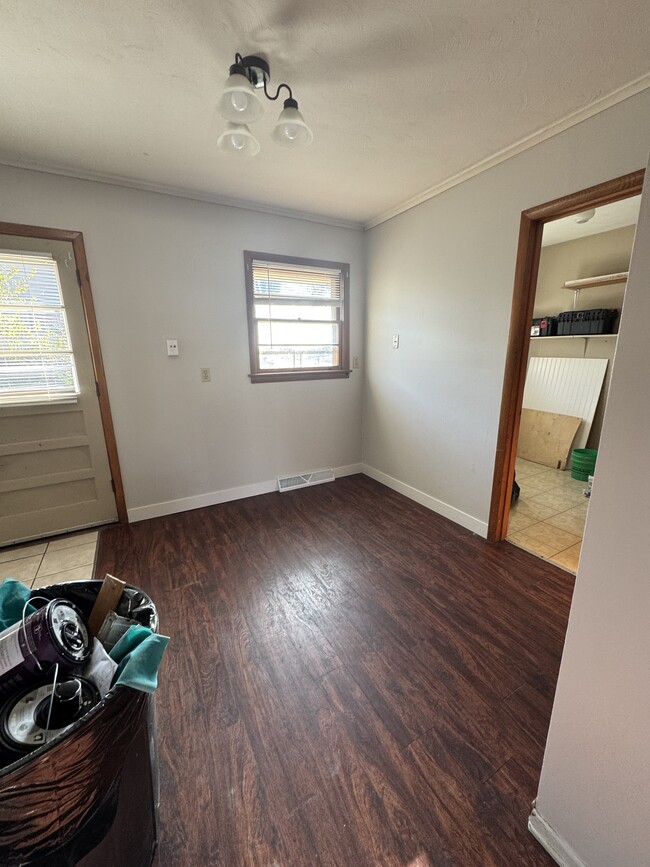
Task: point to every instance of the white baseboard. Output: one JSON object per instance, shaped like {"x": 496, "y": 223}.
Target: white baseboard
{"x": 185, "y": 504}
{"x": 170, "y": 507}
{"x": 349, "y": 470}
{"x": 462, "y": 518}
{"x": 556, "y": 846}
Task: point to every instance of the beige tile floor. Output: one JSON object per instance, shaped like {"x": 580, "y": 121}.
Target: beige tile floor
{"x": 549, "y": 517}
{"x": 66, "y": 558}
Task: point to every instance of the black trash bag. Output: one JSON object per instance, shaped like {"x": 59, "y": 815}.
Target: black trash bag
{"x": 516, "y": 490}
{"x": 59, "y": 803}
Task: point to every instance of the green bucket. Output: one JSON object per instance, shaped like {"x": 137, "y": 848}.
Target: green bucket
{"x": 583, "y": 463}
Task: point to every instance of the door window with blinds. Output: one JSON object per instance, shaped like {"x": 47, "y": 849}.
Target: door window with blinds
{"x": 36, "y": 360}
{"x": 297, "y": 317}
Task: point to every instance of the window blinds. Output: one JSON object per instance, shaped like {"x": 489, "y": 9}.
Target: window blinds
{"x": 281, "y": 281}
{"x": 36, "y": 360}
{"x": 297, "y": 312}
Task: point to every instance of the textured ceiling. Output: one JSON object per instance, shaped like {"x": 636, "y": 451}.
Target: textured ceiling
{"x": 401, "y": 96}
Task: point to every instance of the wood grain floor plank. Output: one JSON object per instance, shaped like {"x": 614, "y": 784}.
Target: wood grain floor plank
{"x": 385, "y": 803}
{"x": 502, "y": 809}
{"x": 352, "y": 681}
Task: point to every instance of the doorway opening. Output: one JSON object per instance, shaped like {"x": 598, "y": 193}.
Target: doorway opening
{"x": 531, "y": 234}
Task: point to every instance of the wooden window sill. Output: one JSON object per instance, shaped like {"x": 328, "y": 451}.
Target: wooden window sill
{"x": 301, "y": 375}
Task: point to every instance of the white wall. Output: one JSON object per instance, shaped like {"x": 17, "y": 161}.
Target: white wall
{"x": 441, "y": 275}
{"x": 168, "y": 267}
{"x": 605, "y": 253}
{"x": 594, "y": 792}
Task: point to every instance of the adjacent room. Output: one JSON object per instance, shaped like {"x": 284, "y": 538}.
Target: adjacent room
{"x": 583, "y": 270}
{"x": 272, "y": 286}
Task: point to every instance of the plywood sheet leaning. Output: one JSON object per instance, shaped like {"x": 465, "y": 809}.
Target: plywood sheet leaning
{"x": 546, "y": 437}
{"x": 569, "y": 386}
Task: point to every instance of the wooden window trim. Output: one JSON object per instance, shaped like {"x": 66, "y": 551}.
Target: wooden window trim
{"x": 302, "y": 374}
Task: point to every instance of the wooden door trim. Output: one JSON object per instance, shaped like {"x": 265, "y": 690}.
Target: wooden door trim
{"x": 527, "y": 265}
{"x": 77, "y": 241}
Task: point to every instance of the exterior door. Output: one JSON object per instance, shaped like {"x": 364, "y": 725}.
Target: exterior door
{"x": 54, "y": 467}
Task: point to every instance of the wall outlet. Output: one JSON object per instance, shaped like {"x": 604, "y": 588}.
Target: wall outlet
{"x": 172, "y": 346}
{"x": 395, "y": 341}
{"x": 206, "y": 376}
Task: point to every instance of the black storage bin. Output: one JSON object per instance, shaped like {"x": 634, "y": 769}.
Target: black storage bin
{"x": 90, "y": 797}
{"x": 546, "y": 326}
{"x": 598, "y": 321}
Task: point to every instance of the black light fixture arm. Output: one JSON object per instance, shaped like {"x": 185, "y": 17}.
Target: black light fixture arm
{"x": 258, "y": 72}
{"x": 277, "y": 93}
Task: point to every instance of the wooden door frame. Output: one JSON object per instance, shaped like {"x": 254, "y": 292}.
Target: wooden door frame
{"x": 531, "y": 228}
{"x": 83, "y": 279}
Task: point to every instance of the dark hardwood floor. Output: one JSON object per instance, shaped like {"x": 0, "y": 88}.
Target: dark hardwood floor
{"x": 352, "y": 680}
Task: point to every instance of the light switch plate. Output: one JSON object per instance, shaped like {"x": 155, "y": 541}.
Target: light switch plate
{"x": 172, "y": 346}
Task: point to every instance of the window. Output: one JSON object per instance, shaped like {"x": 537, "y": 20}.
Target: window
{"x": 298, "y": 324}
{"x": 36, "y": 361}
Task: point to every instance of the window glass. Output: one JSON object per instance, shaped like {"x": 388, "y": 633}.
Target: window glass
{"x": 298, "y": 317}
{"x": 36, "y": 360}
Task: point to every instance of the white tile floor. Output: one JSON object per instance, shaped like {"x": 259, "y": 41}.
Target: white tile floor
{"x": 549, "y": 517}
{"x": 65, "y": 558}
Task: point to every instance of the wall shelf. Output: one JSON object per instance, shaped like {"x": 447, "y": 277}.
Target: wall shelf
{"x": 573, "y": 336}
{"x": 604, "y": 280}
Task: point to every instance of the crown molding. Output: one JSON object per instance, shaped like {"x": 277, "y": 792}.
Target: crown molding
{"x": 594, "y": 108}
{"x": 518, "y": 147}
{"x": 181, "y": 193}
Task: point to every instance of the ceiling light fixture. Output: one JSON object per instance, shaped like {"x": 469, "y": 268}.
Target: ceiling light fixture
{"x": 585, "y": 216}
{"x": 241, "y": 105}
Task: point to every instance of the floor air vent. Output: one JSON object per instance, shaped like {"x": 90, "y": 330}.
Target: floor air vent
{"x": 290, "y": 483}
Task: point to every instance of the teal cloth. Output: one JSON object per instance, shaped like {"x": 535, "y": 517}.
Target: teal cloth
{"x": 138, "y": 654}
{"x": 13, "y": 595}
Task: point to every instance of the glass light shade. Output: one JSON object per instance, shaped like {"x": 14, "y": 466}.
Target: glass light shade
{"x": 291, "y": 131}
{"x": 585, "y": 216}
{"x": 238, "y": 139}
{"x": 239, "y": 102}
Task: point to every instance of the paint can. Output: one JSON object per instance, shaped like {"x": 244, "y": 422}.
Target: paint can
{"x": 55, "y": 634}
{"x": 36, "y": 714}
